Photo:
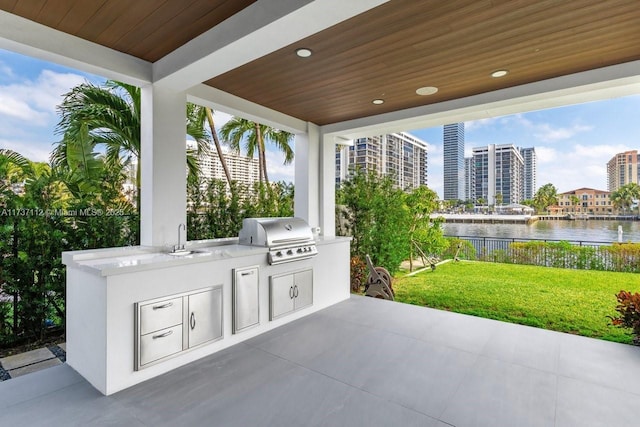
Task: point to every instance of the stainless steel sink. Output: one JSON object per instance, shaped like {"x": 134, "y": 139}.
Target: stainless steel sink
{"x": 184, "y": 252}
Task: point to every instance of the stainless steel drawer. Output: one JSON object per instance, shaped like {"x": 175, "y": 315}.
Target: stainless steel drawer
{"x": 159, "y": 344}
{"x": 160, "y": 315}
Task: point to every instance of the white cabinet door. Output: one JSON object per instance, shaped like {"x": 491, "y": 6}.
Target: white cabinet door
{"x": 245, "y": 298}
{"x": 303, "y": 286}
{"x": 281, "y": 295}
{"x": 204, "y": 319}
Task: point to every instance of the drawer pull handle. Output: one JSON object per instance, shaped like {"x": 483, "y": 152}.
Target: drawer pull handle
{"x": 295, "y": 291}
{"x": 192, "y": 321}
{"x": 158, "y": 307}
{"x": 247, "y": 273}
{"x": 166, "y": 334}
{"x": 291, "y": 292}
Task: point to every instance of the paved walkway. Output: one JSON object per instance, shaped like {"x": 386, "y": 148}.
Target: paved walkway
{"x": 32, "y": 361}
{"x": 363, "y": 362}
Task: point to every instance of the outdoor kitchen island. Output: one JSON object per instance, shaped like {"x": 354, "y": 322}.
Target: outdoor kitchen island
{"x": 137, "y": 312}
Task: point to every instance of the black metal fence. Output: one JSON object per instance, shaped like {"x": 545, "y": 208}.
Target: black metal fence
{"x": 582, "y": 255}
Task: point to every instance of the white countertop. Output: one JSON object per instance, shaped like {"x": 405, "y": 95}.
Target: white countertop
{"x": 110, "y": 261}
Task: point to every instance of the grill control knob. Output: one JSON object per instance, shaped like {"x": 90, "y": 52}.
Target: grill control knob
{"x": 299, "y": 250}
{"x": 289, "y": 252}
{"x": 278, "y": 254}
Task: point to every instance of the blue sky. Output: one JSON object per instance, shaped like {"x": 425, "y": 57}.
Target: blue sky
{"x": 573, "y": 143}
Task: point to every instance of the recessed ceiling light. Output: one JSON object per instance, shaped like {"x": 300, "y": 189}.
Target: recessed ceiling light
{"x": 304, "y": 52}
{"x": 378, "y": 101}
{"x": 499, "y": 73}
{"x": 426, "y": 90}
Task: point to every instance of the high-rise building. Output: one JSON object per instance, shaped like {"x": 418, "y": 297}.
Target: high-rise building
{"x": 401, "y": 156}
{"x": 530, "y": 170}
{"x": 622, "y": 169}
{"x": 498, "y": 170}
{"x": 469, "y": 179}
{"x": 453, "y": 170}
{"x": 245, "y": 170}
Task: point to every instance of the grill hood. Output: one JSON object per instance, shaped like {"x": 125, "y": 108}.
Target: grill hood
{"x": 288, "y": 239}
{"x": 274, "y": 232}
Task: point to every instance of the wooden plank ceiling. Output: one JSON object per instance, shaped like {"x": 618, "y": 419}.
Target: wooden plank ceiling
{"x": 386, "y": 53}
{"x": 147, "y": 29}
{"x": 454, "y": 45}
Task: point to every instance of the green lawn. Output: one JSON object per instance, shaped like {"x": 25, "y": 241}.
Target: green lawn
{"x": 573, "y": 301}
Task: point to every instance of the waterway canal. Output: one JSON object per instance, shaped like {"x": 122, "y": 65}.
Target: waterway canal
{"x": 589, "y": 230}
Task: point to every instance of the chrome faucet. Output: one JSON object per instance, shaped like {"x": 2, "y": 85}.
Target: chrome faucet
{"x": 180, "y": 247}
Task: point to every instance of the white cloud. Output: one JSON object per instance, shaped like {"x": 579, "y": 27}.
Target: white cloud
{"x": 578, "y": 166}
{"x": 276, "y": 168}
{"x": 6, "y": 71}
{"x": 31, "y": 150}
{"x": 476, "y": 124}
{"x": 547, "y": 133}
{"x": 546, "y": 155}
{"x": 603, "y": 153}
{"x": 221, "y": 118}
{"x": 16, "y": 108}
{"x": 34, "y": 101}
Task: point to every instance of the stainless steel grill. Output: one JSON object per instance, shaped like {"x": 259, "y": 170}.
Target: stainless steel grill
{"x": 288, "y": 239}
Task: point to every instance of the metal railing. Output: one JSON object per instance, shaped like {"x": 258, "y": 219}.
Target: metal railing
{"x": 576, "y": 254}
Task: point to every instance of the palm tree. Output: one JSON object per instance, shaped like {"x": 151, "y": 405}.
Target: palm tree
{"x": 206, "y": 114}
{"x": 625, "y": 196}
{"x": 546, "y": 196}
{"x": 254, "y": 135}
{"x": 574, "y": 201}
{"x": 13, "y": 166}
{"x": 109, "y": 115}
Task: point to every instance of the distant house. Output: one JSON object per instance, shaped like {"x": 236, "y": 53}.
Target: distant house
{"x": 586, "y": 201}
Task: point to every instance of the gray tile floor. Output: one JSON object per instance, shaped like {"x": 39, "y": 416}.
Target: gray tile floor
{"x": 363, "y": 362}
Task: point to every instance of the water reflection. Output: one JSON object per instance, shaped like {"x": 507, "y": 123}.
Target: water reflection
{"x": 590, "y": 230}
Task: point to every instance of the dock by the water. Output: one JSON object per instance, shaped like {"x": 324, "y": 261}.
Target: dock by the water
{"x": 584, "y": 217}
{"x": 487, "y": 219}
{"x": 527, "y": 219}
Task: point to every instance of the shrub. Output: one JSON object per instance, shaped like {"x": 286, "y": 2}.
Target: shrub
{"x": 467, "y": 250}
{"x": 376, "y": 217}
{"x": 624, "y": 256}
{"x": 358, "y": 274}
{"x": 629, "y": 309}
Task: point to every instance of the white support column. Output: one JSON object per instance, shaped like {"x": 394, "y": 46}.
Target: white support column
{"x": 163, "y": 166}
{"x": 328, "y": 186}
{"x": 307, "y": 175}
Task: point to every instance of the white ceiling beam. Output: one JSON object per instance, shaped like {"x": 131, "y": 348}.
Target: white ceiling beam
{"x": 222, "y": 101}
{"x": 594, "y": 85}
{"x": 262, "y": 28}
{"x": 23, "y": 36}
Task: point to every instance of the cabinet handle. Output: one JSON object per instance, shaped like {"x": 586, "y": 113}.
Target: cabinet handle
{"x": 295, "y": 291}
{"x": 247, "y": 273}
{"x": 158, "y": 307}
{"x": 192, "y": 321}
{"x": 291, "y": 292}
{"x": 166, "y": 334}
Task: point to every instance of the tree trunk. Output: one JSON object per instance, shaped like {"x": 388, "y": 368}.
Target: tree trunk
{"x": 16, "y": 294}
{"x": 216, "y": 141}
{"x": 261, "y": 154}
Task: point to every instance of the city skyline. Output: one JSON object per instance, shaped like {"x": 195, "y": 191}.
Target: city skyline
{"x": 573, "y": 143}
